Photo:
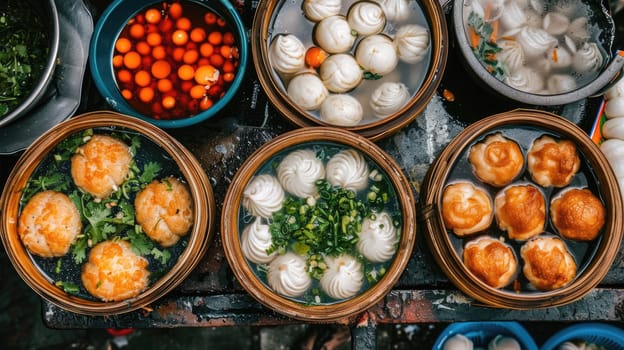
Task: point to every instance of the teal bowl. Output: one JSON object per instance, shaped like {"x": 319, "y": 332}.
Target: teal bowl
{"x": 102, "y": 46}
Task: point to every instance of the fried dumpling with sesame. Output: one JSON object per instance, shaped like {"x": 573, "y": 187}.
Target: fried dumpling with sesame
{"x": 101, "y": 165}
{"x": 49, "y": 224}
{"x": 115, "y": 272}
{"x": 164, "y": 209}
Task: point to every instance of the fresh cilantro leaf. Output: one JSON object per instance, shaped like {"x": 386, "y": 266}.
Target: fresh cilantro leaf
{"x": 79, "y": 249}
{"x": 141, "y": 244}
{"x": 161, "y": 255}
{"x": 68, "y": 287}
{"x": 150, "y": 171}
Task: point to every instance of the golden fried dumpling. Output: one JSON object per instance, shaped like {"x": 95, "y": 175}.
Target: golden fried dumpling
{"x": 496, "y": 160}
{"x": 115, "y": 272}
{"x": 577, "y": 214}
{"x": 547, "y": 263}
{"x": 49, "y": 224}
{"x": 164, "y": 209}
{"x": 466, "y": 209}
{"x": 101, "y": 165}
{"x": 491, "y": 260}
{"x": 521, "y": 211}
{"x": 552, "y": 162}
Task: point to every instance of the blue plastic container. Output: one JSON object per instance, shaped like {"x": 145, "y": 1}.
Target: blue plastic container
{"x": 107, "y": 30}
{"x": 608, "y": 336}
{"x": 481, "y": 333}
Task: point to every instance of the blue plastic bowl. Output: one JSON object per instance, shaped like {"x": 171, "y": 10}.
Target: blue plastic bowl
{"x": 107, "y": 30}
{"x": 608, "y": 336}
{"x": 481, "y": 333}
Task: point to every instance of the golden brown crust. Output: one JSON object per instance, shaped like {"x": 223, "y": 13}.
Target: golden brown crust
{"x": 466, "y": 209}
{"x": 49, "y": 224}
{"x": 491, "y": 260}
{"x": 552, "y": 162}
{"x": 521, "y": 211}
{"x": 577, "y": 214}
{"x": 496, "y": 160}
{"x": 114, "y": 272}
{"x": 101, "y": 165}
{"x": 547, "y": 263}
{"x": 164, "y": 209}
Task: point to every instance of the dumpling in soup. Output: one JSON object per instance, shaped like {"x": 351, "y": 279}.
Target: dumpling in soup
{"x": 521, "y": 211}
{"x": 299, "y": 171}
{"x": 307, "y": 91}
{"x": 348, "y": 169}
{"x": 548, "y": 264}
{"x": 287, "y": 54}
{"x": 316, "y": 10}
{"x": 466, "y": 209}
{"x": 588, "y": 58}
{"x": 343, "y": 277}
{"x": 263, "y": 196}
{"x": 341, "y": 110}
{"x": 388, "y": 98}
{"x": 491, "y": 260}
{"x": 377, "y": 54}
{"x": 395, "y": 10}
{"x": 535, "y": 41}
{"x": 378, "y": 238}
{"x": 288, "y": 276}
{"x": 333, "y": 34}
{"x": 340, "y": 73}
{"x": 366, "y": 18}
{"x": 552, "y": 162}
{"x": 255, "y": 242}
{"x": 412, "y": 42}
{"x": 496, "y": 160}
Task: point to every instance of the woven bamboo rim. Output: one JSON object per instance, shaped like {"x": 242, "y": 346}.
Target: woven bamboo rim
{"x": 452, "y": 265}
{"x": 231, "y": 238}
{"x": 262, "y": 26}
{"x": 199, "y": 238}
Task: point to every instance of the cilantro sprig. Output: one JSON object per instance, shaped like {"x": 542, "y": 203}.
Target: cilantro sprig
{"x": 482, "y": 40}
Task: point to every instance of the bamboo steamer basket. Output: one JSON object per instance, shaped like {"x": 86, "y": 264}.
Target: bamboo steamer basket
{"x": 599, "y": 254}
{"x": 265, "y": 25}
{"x": 231, "y": 227}
{"x": 198, "y": 239}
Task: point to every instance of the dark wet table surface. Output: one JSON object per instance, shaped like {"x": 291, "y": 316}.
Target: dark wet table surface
{"x": 211, "y": 295}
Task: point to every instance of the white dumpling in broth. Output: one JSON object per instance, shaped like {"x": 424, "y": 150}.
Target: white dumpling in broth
{"x": 299, "y": 171}
{"x": 341, "y": 110}
{"x": 333, "y": 34}
{"x": 535, "y": 41}
{"x": 366, "y": 18}
{"x": 378, "y": 238}
{"x": 412, "y": 42}
{"x": 307, "y": 91}
{"x": 343, "y": 277}
{"x": 255, "y": 241}
{"x": 502, "y": 342}
{"x": 288, "y": 275}
{"x": 263, "y": 196}
{"x": 556, "y": 23}
{"x": 395, "y": 10}
{"x": 578, "y": 30}
{"x": 347, "y": 169}
{"x": 377, "y": 54}
{"x": 316, "y": 10}
{"x": 458, "y": 342}
{"x": 287, "y": 54}
{"x": 388, "y": 98}
{"x": 525, "y": 79}
{"x": 587, "y": 59}
{"x": 511, "y": 55}
{"x": 340, "y": 73}
{"x": 514, "y": 16}
{"x": 560, "y": 58}
{"x": 560, "y": 83}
